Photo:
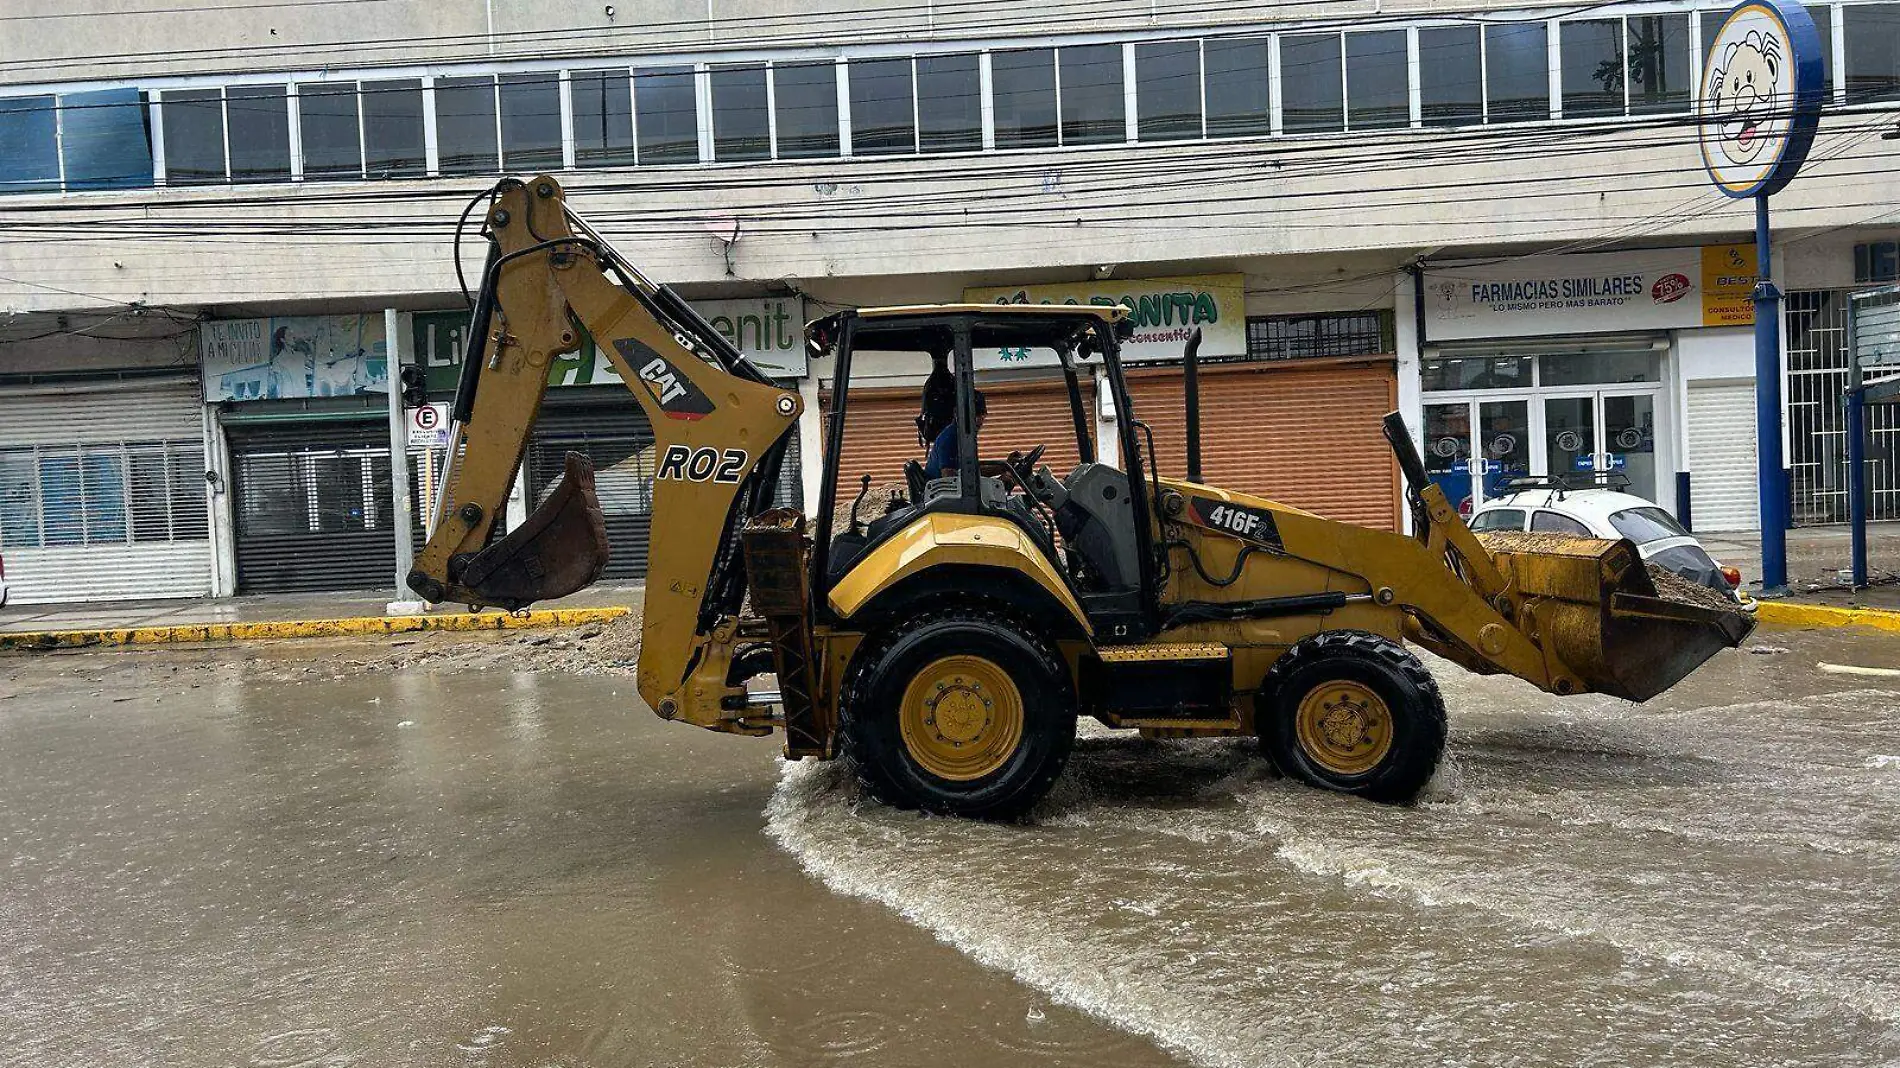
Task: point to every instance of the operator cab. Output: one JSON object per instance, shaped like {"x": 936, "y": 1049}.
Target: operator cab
{"x": 1087, "y": 522}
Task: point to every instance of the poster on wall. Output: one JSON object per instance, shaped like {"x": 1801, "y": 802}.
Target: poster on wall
{"x": 769, "y": 330}
{"x": 1728, "y": 285}
{"x": 1166, "y": 312}
{"x": 293, "y": 356}
{"x": 1648, "y": 289}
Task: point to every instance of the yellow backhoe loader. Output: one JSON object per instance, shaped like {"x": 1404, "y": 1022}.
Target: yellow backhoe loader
{"x": 947, "y": 645}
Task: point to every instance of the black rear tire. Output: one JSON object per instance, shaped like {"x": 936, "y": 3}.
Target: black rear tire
{"x": 1353, "y": 712}
{"x": 915, "y": 658}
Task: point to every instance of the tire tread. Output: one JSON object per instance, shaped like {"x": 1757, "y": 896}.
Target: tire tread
{"x": 1360, "y": 644}
{"x": 872, "y": 781}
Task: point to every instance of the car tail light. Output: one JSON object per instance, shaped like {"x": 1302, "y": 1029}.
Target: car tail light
{"x": 1732, "y": 576}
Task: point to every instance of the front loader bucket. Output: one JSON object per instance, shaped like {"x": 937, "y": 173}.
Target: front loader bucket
{"x": 561, "y": 549}
{"x": 1595, "y": 604}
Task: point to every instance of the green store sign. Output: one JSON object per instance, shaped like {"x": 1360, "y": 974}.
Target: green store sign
{"x": 769, "y": 330}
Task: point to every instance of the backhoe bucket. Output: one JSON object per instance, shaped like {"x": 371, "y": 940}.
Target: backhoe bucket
{"x": 561, "y": 549}
{"x": 1595, "y": 604}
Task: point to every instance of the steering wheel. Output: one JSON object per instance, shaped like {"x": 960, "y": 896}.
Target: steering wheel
{"x": 1024, "y": 467}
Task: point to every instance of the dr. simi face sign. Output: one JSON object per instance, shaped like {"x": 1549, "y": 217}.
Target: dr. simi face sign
{"x": 1761, "y": 97}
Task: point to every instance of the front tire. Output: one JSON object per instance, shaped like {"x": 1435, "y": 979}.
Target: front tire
{"x": 1353, "y": 712}
{"x": 960, "y": 712}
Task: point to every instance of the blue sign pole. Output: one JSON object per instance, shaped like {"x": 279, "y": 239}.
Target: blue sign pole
{"x": 1857, "y": 479}
{"x": 1760, "y": 104}
{"x": 1769, "y": 475}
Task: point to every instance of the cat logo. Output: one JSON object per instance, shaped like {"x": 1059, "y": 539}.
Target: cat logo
{"x": 675, "y": 392}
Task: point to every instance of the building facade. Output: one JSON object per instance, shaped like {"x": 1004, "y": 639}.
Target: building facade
{"x": 1492, "y": 218}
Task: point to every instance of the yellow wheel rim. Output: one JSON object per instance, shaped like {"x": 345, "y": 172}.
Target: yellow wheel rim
{"x": 1344, "y": 727}
{"x": 962, "y": 718}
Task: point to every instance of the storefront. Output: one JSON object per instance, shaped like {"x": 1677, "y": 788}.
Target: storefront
{"x": 880, "y": 430}
{"x": 102, "y": 487}
{"x": 302, "y": 402}
{"x": 311, "y": 497}
{"x": 1616, "y": 368}
{"x": 1303, "y": 432}
{"x": 588, "y": 410}
{"x": 1271, "y": 386}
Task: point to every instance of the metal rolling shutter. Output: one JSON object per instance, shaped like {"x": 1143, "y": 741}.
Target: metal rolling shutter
{"x": 311, "y": 505}
{"x": 613, "y": 433}
{"x": 1722, "y": 487}
{"x": 102, "y": 492}
{"x": 881, "y": 430}
{"x": 790, "y": 491}
{"x": 1023, "y": 416}
{"x": 1304, "y": 433}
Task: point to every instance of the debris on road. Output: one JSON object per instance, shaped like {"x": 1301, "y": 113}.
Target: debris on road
{"x": 609, "y": 649}
{"x": 1856, "y": 669}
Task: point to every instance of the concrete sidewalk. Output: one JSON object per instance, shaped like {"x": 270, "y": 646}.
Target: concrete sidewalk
{"x": 1817, "y": 559}
{"x": 1815, "y": 556}
{"x": 258, "y": 608}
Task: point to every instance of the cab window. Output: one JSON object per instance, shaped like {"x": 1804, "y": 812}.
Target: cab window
{"x": 1644, "y": 525}
{"x": 1499, "y": 519}
{"x": 1553, "y": 523}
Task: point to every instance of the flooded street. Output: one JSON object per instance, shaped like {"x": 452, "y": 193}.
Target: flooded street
{"x": 216, "y": 860}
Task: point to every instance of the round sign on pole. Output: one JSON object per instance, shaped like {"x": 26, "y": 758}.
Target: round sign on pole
{"x": 1761, "y": 97}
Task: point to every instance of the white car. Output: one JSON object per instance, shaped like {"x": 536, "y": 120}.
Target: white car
{"x": 1598, "y": 511}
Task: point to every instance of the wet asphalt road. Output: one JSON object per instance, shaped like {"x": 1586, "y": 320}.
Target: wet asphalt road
{"x": 243, "y": 857}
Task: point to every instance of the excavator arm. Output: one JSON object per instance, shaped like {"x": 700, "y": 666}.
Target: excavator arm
{"x": 720, "y": 428}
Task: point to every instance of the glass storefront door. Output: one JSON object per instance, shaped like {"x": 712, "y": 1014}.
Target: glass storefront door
{"x": 1448, "y": 452}
{"x": 1504, "y": 428}
{"x": 1471, "y": 461}
{"x": 1572, "y": 410}
{"x": 1629, "y": 439}
{"x": 1570, "y": 435}
{"x": 1603, "y": 432}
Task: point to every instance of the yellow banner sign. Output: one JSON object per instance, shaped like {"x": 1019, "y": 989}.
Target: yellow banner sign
{"x": 1166, "y": 311}
{"x": 1728, "y": 277}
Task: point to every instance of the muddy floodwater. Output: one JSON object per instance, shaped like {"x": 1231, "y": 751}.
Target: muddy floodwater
{"x": 280, "y": 856}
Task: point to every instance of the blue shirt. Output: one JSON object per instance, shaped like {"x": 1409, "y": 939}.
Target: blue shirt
{"x": 943, "y": 453}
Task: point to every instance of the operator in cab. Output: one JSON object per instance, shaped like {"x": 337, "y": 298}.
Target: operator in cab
{"x": 944, "y": 456}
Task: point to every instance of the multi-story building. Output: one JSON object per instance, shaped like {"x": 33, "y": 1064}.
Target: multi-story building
{"x": 206, "y": 211}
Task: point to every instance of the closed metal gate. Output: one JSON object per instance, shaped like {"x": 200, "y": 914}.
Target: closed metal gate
{"x": 102, "y": 491}
{"x": 1722, "y": 457}
{"x": 1301, "y": 432}
{"x": 311, "y": 505}
{"x": 1817, "y": 432}
{"x": 615, "y": 436}
{"x": 880, "y": 431}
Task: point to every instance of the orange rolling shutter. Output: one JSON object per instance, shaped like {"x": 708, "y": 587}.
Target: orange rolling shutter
{"x": 881, "y": 431}
{"x": 1302, "y": 432}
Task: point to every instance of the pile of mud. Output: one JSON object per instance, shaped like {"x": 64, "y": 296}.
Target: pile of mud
{"x": 1673, "y": 587}
{"x": 595, "y": 649}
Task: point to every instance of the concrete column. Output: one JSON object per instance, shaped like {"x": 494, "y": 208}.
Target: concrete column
{"x": 1409, "y": 347}
{"x": 405, "y": 603}
{"x": 218, "y": 506}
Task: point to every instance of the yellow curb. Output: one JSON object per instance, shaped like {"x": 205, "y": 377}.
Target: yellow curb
{"x": 307, "y": 628}
{"x": 1790, "y": 614}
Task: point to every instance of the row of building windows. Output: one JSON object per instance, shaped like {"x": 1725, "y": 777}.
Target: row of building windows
{"x": 1145, "y": 91}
